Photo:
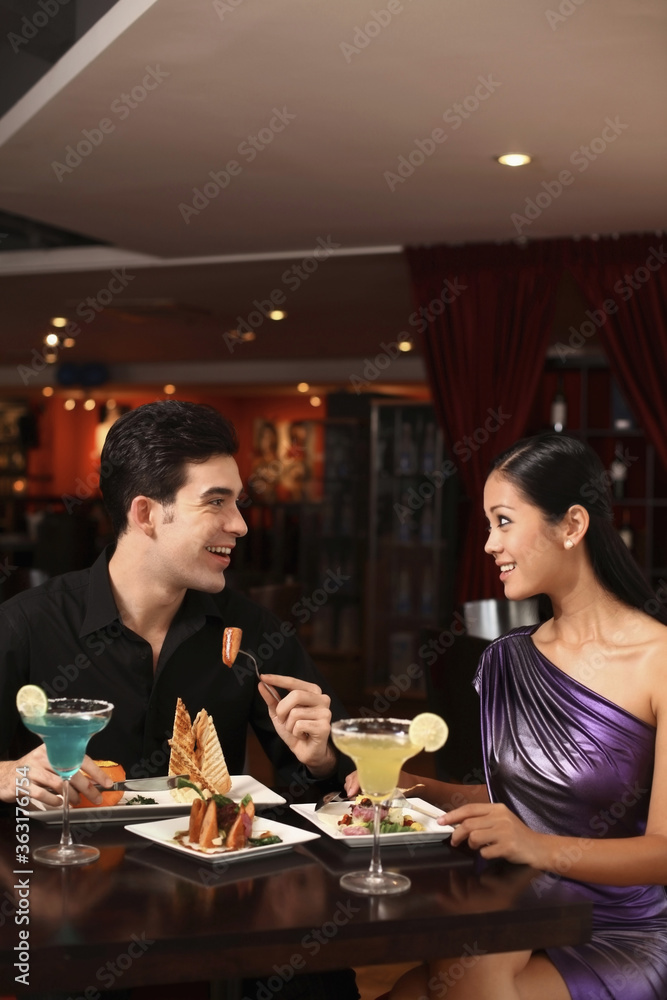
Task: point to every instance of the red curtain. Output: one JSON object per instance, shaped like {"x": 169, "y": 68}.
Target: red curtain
{"x": 625, "y": 280}
{"x": 485, "y": 313}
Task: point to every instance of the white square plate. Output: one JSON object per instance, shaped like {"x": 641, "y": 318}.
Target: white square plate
{"x": 164, "y": 831}
{"x": 165, "y": 805}
{"x": 327, "y": 822}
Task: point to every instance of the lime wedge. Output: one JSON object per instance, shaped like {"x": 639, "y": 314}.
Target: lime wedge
{"x": 31, "y": 700}
{"x": 429, "y": 731}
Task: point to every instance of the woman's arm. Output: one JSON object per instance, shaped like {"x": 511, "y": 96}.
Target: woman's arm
{"x": 440, "y": 793}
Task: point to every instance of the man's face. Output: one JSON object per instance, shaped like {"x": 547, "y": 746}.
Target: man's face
{"x": 198, "y": 531}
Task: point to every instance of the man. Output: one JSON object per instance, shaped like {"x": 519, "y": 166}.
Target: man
{"x": 143, "y": 626}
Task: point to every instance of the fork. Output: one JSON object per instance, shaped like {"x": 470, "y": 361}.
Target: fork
{"x": 252, "y": 659}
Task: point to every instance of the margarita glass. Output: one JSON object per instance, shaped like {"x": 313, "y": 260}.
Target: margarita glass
{"x": 379, "y": 748}
{"x": 66, "y": 727}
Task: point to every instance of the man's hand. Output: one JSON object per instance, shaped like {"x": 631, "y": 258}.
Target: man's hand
{"x": 302, "y": 719}
{"x": 44, "y": 785}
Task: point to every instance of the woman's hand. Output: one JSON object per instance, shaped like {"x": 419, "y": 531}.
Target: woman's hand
{"x": 495, "y": 831}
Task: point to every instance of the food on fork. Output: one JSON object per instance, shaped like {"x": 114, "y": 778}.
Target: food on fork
{"x": 196, "y": 750}
{"x": 231, "y": 644}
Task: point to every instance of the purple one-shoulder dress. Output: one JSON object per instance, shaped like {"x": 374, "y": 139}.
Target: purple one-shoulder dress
{"x": 571, "y": 763}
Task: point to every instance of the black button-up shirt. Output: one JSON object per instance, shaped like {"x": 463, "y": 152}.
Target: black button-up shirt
{"x": 67, "y": 636}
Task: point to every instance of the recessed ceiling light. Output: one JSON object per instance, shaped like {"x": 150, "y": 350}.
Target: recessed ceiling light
{"x": 89, "y": 404}
{"x": 69, "y": 404}
{"x": 514, "y": 159}
{"x": 315, "y": 401}
{"x": 277, "y": 314}
{"x": 405, "y": 345}
{"x": 51, "y": 339}
{"x": 303, "y": 386}
{"x": 58, "y": 321}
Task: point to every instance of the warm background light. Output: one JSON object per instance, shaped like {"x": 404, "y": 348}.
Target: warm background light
{"x": 70, "y": 404}
{"x": 59, "y": 321}
{"x": 303, "y": 386}
{"x": 277, "y": 314}
{"x": 89, "y": 404}
{"x": 514, "y": 159}
{"x": 315, "y": 401}
{"x": 405, "y": 345}
{"x": 48, "y": 390}
{"x": 51, "y": 339}
{"x": 169, "y": 389}
{"x": 69, "y": 342}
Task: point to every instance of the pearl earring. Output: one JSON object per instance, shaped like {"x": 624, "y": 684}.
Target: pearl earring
{"x": 569, "y": 544}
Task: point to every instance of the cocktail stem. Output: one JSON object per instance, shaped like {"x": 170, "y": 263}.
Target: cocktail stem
{"x": 66, "y": 837}
{"x": 376, "y": 864}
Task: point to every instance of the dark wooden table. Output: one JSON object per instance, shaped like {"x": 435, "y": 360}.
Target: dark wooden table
{"x": 144, "y": 915}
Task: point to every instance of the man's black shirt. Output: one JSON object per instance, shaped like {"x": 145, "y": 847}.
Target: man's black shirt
{"x": 67, "y": 637}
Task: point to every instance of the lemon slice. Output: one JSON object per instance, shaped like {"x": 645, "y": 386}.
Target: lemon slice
{"x": 31, "y": 700}
{"x": 429, "y": 731}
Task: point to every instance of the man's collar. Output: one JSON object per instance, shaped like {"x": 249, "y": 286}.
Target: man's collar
{"x": 102, "y": 611}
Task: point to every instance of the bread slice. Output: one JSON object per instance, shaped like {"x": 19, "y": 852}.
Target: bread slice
{"x": 213, "y": 763}
{"x": 198, "y": 754}
{"x": 183, "y": 733}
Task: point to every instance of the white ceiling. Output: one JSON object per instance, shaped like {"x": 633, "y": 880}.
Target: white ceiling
{"x": 556, "y": 78}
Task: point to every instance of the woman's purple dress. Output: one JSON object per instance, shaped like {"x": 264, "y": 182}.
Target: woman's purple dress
{"x": 571, "y": 763}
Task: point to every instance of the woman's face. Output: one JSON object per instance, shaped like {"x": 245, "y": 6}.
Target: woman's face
{"x": 527, "y": 549}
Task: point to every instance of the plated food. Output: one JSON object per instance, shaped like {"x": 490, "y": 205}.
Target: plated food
{"x": 327, "y": 821}
{"x": 196, "y": 751}
{"x": 218, "y": 824}
{"x": 357, "y": 820}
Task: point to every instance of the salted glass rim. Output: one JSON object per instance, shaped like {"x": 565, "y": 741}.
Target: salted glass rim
{"x": 100, "y": 705}
{"x": 372, "y": 719}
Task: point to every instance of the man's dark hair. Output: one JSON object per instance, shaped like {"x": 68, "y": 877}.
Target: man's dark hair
{"x": 146, "y": 452}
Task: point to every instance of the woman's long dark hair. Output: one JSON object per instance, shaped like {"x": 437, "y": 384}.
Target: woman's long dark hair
{"x": 553, "y": 472}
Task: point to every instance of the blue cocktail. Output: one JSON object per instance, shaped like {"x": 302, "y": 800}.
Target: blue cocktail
{"x": 66, "y": 727}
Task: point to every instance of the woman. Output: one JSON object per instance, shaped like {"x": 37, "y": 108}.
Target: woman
{"x": 574, "y": 729}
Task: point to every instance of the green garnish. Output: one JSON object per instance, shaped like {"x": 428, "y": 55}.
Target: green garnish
{"x": 262, "y": 841}
{"x": 184, "y": 783}
{"x": 141, "y": 800}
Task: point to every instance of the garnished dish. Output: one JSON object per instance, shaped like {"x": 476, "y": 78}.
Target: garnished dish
{"x": 358, "y": 819}
{"x": 218, "y": 824}
{"x": 334, "y": 822}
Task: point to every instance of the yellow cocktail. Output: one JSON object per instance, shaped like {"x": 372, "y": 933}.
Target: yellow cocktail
{"x": 378, "y": 747}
